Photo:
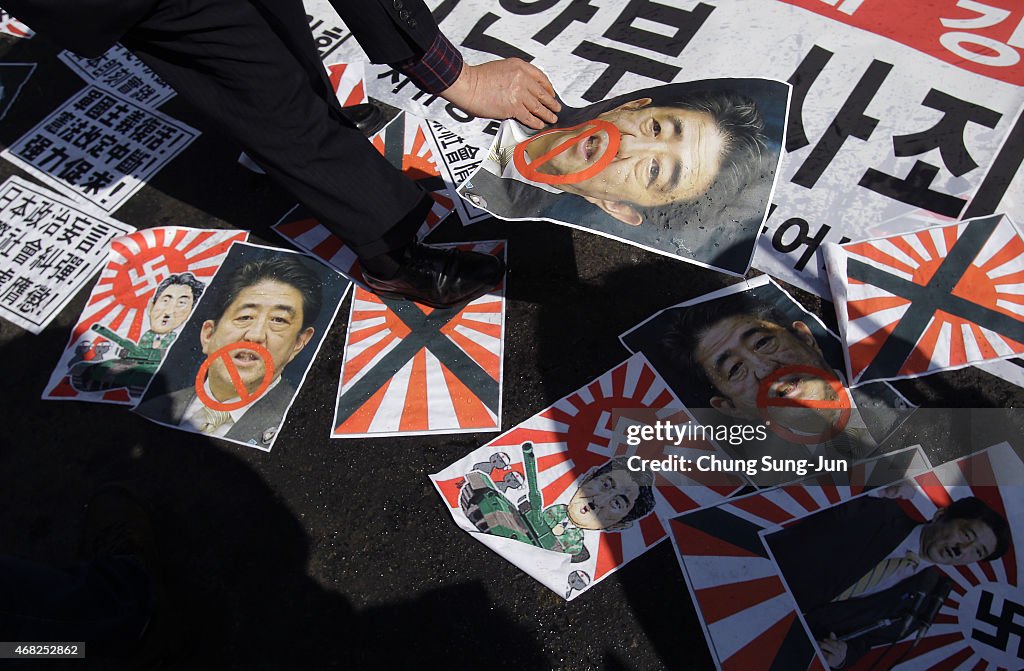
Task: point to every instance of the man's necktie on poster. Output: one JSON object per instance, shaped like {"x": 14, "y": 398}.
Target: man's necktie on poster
{"x": 209, "y": 420}
{"x": 503, "y": 156}
{"x": 882, "y": 571}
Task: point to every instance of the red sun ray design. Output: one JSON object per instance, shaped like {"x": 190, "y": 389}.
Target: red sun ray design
{"x": 764, "y": 509}
{"x": 864, "y": 350}
{"x": 934, "y": 489}
{"x": 993, "y": 280}
{"x": 293, "y": 229}
{"x": 695, "y": 542}
{"x": 214, "y": 252}
{"x": 414, "y": 410}
{"x": 441, "y": 384}
{"x": 1009, "y": 252}
{"x": 866, "y": 306}
{"x": 871, "y": 251}
{"x": 559, "y": 485}
{"x": 418, "y": 163}
{"x": 328, "y": 247}
{"x": 651, "y": 530}
{"x": 470, "y": 410}
{"x": 923, "y": 354}
{"x": 802, "y": 497}
{"x": 83, "y": 326}
{"x": 759, "y": 653}
{"x": 722, "y": 601}
{"x": 136, "y": 265}
{"x": 908, "y": 249}
{"x": 609, "y": 554}
{"x": 1012, "y": 278}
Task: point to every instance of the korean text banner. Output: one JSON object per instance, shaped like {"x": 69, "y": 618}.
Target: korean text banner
{"x": 899, "y": 109}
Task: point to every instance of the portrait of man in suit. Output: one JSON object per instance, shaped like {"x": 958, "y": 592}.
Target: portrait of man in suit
{"x": 259, "y": 318}
{"x": 856, "y": 566}
{"x": 754, "y": 355}
{"x": 647, "y": 166}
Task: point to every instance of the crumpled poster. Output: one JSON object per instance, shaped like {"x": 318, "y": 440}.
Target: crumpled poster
{"x": 751, "y": 354}
{"x": 558, "y": 495}
{"x": 686, "y": 170}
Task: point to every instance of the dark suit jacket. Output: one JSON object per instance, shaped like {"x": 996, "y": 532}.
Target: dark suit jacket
{"x": 257, "y": 426}
{"x": 825, "y": 553}
{"x": 847, "y": 619}
{"x": 389, "y": 31}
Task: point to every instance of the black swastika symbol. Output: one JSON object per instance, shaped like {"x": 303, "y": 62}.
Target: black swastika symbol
{"x": 1006, "y": 623}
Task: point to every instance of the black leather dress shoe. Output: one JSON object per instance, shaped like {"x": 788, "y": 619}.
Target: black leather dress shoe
{"x": 440, "y": 278}
{"x": 366, "y": 117}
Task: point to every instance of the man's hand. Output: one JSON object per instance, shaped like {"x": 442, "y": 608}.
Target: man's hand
{"x": 834, "y": 651}
{"x": 505, "y": 89}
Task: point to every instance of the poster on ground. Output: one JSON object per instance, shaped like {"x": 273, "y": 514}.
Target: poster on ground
{"x": 409, "y": 369}
{"x": 934, "y": 299}
{"x": 50, "y": 246}
{"x": 923, "y": 575}
{"x": 565, "y": 496}
{"x": 234, "y": 370}
{"x": 147, "y": 290}
{"x": 751, "y": 354}
{"x": 686, "y": 169}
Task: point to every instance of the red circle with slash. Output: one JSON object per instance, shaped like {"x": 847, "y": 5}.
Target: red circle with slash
{"x": 529, "y": 169}
{"x": 245, "y": 397}
{"x": 843, "y": 403}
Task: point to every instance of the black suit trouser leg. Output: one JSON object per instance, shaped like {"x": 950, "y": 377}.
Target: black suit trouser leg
{"x": 251, "y": 66}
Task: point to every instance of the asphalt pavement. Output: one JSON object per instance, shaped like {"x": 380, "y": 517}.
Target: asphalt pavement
{"x": 339, "y": 554}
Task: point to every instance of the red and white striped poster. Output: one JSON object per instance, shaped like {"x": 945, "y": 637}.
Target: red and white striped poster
{"x": 930, "y": 300}
{"x": 951, "y": 603}
{"x": 558, "y": 495}
{"x": 146, "y": 292}
{"x": 410, "y": 369}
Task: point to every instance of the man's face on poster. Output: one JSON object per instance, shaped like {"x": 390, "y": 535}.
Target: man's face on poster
{"x": 739, "y": 352}
{"x": 603, "y": 501}
{"x": 665, "y": 155}
{"x": 956, "y": 542}
{"x": 171, "y": 308}
{"x": 268, "y": 313}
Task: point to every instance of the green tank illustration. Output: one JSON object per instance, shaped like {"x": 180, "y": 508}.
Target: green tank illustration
{"x": 493, "y": 513}
{"x": 132, "y": 369}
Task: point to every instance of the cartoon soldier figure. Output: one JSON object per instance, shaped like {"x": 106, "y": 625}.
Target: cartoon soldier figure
{"x": 172, "y": 303}
{"x": 609, "y": 498}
